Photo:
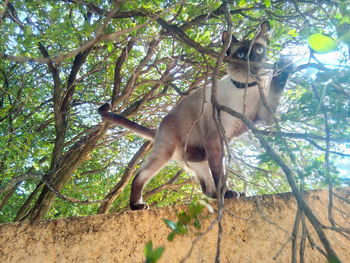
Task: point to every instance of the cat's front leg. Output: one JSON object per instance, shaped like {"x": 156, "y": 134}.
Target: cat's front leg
{"x": 282, "y": 69}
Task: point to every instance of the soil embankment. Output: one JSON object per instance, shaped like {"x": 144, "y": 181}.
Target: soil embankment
{"x": 255, "y": 230}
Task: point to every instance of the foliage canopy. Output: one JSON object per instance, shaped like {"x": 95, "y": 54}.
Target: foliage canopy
{"x": 60, "y": 60}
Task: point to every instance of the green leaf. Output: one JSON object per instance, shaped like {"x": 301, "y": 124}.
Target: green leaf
{"x": 333, "y": 260}
{"x": 148, "y": 249}
{"x": 242, "y": 3}
{"x": 197, "y": 224}
{"x": 293, "y": 32}
{"x": 267, "y": 3}
{"x": 171, "y": 224}
{"x": 195, "y": 209}
{"x": 343, "y": 29}
{"x": 181, "y": 230}
{"x": 171, "y": 236}
{"x": 151, "y": 255}
{"x": 158, "y": 252}
{"x": 321, "y": 43}
{"x": 110, "y": 47}
{"x": 184, "y": 219}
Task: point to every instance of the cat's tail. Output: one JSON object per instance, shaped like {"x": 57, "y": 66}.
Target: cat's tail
{"x": 138, "y": 129}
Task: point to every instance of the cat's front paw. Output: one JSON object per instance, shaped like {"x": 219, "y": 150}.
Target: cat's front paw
{"x": 139, "y": 207}
{"x": 284, "y": 64}
{"x": 282, "y": 69}
{"x": 230, "y": 194}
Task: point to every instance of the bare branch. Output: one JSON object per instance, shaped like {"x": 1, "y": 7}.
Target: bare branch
{"x": 87, "y": 45}
{"x": 3, "y": 10}
{"x": 119, "y": 187}
{"x": 331, "y": 254}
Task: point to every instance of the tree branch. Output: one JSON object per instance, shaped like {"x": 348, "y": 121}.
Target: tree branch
{"x": 331, "y": 254}
{"x": 129, "y": 171}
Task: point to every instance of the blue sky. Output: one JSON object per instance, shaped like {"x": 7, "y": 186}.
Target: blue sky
{"x": 343, "y": 163}
{"x": 301, "y": 55}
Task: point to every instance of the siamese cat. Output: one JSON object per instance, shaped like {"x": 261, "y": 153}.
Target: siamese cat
{"x": 189, "y": 134}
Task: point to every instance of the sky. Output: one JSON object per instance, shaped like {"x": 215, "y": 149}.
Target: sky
{"x": 343, "y": 163}
{"x": 332, "y": 60}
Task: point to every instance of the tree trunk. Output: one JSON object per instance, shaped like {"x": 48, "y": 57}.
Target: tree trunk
{"x": 7, "y": 196}
{"x": 21, "y": 214}
{"x": 71, "y": 161}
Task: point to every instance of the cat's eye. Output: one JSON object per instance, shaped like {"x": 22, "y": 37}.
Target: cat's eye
{"x": 259, "y": 50}
{"x": 240, "y": 55}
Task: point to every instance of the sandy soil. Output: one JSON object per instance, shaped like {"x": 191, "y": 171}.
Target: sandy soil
{"x": 255, "y": 230}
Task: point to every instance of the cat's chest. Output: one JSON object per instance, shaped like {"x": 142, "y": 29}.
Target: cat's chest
{"x": 242, "y": 100}
{"x": 245, "y": 101}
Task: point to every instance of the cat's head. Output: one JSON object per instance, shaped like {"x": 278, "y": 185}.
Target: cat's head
{"x": 253, "y": 50}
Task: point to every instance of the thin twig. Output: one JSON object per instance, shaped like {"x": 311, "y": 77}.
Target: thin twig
{"x": 4, "y": 8}
{"x": 331, "y": 254}
{"x": 329, "y": 179}
{"x": 199, "y": 236}
{"x": 221, "y": 189}
{"x": 295, "y": 235}
{"x": 302, "y": 240}
{"x": 282, "y": 248}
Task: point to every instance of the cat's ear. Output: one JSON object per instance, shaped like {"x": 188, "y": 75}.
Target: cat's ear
{"x": 264, "y": 29}
{"x": 225, "y": 36}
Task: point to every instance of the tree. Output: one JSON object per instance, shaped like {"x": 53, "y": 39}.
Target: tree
{"x": 60, "y": 60}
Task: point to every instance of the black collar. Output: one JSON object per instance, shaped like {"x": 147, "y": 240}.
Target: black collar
{"x": 240, "y": 85}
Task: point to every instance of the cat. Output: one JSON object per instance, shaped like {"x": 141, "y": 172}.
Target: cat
{"x": 189, "y": 135}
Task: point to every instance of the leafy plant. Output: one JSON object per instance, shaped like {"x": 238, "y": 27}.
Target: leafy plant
{"x": 52, "y": 81}
{"x": 152, "y": 255}
{"x": 185, "y": 220}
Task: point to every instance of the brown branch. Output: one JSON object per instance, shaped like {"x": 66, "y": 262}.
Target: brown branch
{"x": 57, "y": 92}
{"x": 6, "y": 88}
{"x": 330, "y": 180}
{"x": 117, "y": 71}
{"x": 309, "y": 237}
{"x": 129, "y": 171}
{"x": 49, "y": 184}
{"x": 61, "y": 174}
{"x": 302, "y": 239}
{"x": 79, "y": 61}
{"x": 198, "y": 237}
{"x": 331, "y": 254}
{"x": 7, "y": 195}
{"x": 304, "y": 136}
{"x": 339, "y": 89}
{"x": 23, "y": 212}
{"x": 295, "y": 235}
{"x": 4, "y": 8}
{"x": 283, "y": 247}
{"x": 312, "y": 142}
{"x": 54, "y": 190}
{"x": 18, "y": 179}
{"x": 221, "y": 189}
{"x": 342, "y": 198}
{"x": 300, "y": 13}
{"x": 52, "y": 67}
{"x": 11, "y": 13}
{"x": 60, "y": 58}
{"x": 168, "y": 185}
{"x": 180, "y": 35}
{"x": 92, "y": 7}
{"x": 126, "y": 93}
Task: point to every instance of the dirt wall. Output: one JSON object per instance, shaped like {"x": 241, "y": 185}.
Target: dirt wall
{"x": 255, "y": 230}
